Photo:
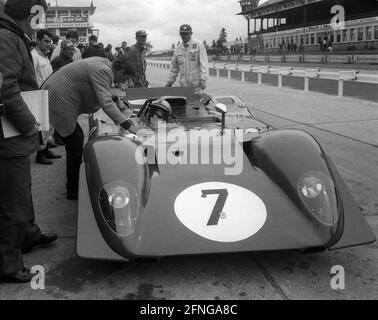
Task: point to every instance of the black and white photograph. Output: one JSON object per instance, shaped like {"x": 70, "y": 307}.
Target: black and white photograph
{"x": 188, "y": 156}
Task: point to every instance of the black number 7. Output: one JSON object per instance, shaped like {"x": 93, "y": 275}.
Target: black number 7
{"x": 219, "y": 205}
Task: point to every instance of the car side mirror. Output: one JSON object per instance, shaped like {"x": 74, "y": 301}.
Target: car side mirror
{"x": 221, "y": 108}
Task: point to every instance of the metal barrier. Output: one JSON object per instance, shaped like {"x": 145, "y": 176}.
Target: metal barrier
{"x": 302, "y": 58}
{"x": 307, "y": 58}
{"x": 366, "y": 59}
{"x": 306, "y": 74}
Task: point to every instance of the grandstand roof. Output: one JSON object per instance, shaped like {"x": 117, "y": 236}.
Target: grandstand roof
{"x": 272, "y": 6}
{"x": 269, "y": 2}
{"x": 91, "y": 8}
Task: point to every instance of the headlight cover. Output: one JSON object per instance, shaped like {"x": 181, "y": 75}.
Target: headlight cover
{"x": 119, "y": 205}
{"x": 318, "y": 193}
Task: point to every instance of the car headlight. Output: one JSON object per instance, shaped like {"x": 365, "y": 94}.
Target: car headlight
{"x": 119, "y": 206}
{"x": 311, "y": 186}
{"x": 119, "y": 197}
{"x": 318, "y": 193}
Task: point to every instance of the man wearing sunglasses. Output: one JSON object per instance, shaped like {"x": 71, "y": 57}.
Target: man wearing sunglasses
{"x": 137, "y": 57}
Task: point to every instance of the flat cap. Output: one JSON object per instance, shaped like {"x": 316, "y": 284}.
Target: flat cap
{"x": 67, "y": 44}
{"x": 141, "y": 33}
{"x": 185, "y": 28}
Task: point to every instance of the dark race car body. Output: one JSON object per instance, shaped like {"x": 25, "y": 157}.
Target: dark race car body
{"x": 285, "y": 193}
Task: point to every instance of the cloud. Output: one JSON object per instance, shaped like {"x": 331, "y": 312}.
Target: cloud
{"x": 119, "y": 20}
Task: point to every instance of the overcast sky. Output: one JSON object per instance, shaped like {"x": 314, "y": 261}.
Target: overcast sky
{"x": 118, "y": 20}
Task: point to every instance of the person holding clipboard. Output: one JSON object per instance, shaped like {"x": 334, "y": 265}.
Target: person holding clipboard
{"x": 18, "y": 231}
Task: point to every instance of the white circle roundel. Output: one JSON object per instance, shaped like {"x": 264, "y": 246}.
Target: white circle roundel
{"x": 220, "y": 211}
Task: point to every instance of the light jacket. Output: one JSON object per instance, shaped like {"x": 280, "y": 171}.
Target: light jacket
{"x": 191, "y": 63}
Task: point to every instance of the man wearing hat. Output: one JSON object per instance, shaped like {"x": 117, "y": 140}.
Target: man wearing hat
{"x": 73, "y": 36}
{"x": 66, "y": 55}
{"x": 137, "y": 57}
{"x": 190, "y": 61}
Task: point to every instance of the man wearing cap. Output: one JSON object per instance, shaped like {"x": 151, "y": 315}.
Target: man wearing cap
{"x": 190, "y": 61}
{"x": 66, "y": 55}
{"x": 137, "y": 57}
{"x": 73, "y": 36}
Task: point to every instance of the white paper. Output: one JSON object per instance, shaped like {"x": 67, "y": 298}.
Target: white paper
{"x": 38, "y": 103}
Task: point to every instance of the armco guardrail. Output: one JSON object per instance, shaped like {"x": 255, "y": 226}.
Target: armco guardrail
{"x": 306, "y": 74}
{"x": 302, "y": 58}
{"x": 367, "y": 59}
{"x": 292, "y": 58}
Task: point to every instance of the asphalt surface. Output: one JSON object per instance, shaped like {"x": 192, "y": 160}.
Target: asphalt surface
{"x": 347, "y": 130}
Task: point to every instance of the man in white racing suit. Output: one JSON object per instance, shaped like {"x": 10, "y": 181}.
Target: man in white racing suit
{"x": 190, "y": 61}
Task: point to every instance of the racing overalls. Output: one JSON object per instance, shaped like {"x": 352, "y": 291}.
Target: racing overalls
{"x": 191, "y": 62}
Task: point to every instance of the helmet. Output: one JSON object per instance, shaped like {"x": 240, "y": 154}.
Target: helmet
{"x": 160, "y": 109}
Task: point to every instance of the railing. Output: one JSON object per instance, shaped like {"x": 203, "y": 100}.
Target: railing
{"x": 306, "y": 74}
{"x": 301, "y": 58}
{"x": 290, "y": 58}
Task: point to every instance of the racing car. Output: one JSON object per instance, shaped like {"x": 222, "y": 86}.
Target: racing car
{"x": 134, "y": 205}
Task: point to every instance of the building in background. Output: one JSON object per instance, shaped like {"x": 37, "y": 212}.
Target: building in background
{"x": 305, "y": 25}
{"x": 59, "y": 19}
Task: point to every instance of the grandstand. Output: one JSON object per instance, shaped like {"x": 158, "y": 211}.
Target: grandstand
{"x": 281, "y": 26}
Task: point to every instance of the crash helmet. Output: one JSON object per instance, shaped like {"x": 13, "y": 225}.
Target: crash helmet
{"x": 160, "y": 109}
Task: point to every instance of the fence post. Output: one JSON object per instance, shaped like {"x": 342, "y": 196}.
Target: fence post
{"x": 341, "y": 88}
{"x": 306, "y": 83}
{"x": 310, "y": 73}
{"x": 349, "y": 75}
{"x": 229, "y": 74}
{"x": 242, "y": 76}
{"x": 259, "y": 81}
{"x": 217, "y": 73}
{"x": 280, "y": 81}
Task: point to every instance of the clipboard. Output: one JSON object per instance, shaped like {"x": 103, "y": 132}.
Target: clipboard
{"x": 38, "y": 103}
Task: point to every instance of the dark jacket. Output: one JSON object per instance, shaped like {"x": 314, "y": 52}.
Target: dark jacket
{"x": 60, "y": 62}
{"x": 94, "y": 51}
{"x": 19, "y": 75}
{"x": 136, "y": 55}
